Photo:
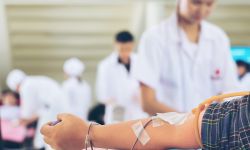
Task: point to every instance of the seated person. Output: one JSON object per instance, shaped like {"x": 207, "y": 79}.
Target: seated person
{"x": 13, "y": 133}
{"x": 219, "y": 126}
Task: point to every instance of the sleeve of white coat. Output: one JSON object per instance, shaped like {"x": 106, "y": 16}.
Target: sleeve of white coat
{"x": 88, "y": 93}
{"x": 147, "y": 66}
{"x": 88, "y": 101}
{"x": 230, "y": 82}
{"x": 29, "y": 103}
{"x": 102, "y": 83}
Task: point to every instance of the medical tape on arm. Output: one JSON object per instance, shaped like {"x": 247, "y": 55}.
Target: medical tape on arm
{"x": 140, "y": 133}
{"x": 172, "y": 118}
{"x": 156, "y": 122}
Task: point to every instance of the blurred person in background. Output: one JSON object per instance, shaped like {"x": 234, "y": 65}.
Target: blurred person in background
{"x": 243, "y": 74}
{"x": 184, "y": 60}
{"x": 115, "y": 86}
{"x": 13, "y": 133}
{"x": 42, "y": 99}
{"x": 77, "y": 90}
{"x": 97, "y": 113}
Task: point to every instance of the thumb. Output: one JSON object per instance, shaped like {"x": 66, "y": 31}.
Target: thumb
{"x": 62, "y": 117}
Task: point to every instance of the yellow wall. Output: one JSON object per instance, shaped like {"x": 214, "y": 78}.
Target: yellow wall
{"x": 43, "y": 36}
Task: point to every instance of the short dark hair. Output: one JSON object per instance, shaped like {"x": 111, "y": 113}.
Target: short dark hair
{"x": 8, "y": 91}
{"x": 243, "y": 64}
{"x": 124, "y": 37}
{"x": 97, "y": 113}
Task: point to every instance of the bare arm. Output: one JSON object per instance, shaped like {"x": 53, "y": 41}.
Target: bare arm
{"x": 26, "y": 122}
{"x": 149, "y": 102}
{"x": 166, "y": 136}
{"x": 71, "y": 132}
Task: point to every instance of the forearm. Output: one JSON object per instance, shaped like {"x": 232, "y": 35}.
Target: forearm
{"x": 157, "y": 107}
{"x": 116, "y": 136}
{"x": 29, "y": 121}
{"x": 121, "y": 136}
{"x": 150, "y": 103}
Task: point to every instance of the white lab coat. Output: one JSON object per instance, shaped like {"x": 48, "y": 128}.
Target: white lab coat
{"x": 79, "y": 96}
{"x": 116, "y": 84}
{"x": 245, "y": 82}
{"x": 42, "y": 96}
{"x": 183, "y": 80}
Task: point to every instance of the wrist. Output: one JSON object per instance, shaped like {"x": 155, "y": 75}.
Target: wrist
{"x": 92, "y": 135}
{"x": 96, "y": 135}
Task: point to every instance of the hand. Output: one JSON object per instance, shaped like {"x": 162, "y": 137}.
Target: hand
{"x": 68, "y": 134}
{"x": 23, "y": 122}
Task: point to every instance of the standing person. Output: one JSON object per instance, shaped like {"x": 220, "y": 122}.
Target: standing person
{"x": 243, "y": 74}
{"x": 184, "y": 60}
{"x": 77, "y": 90}
{"x": 41, "y": 97}
{"x": 115, "y": 85}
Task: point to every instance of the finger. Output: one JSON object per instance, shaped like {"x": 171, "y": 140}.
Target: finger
{"x": 61, "y": 117}
{"x": 47, "y": 129}
{"x": 49, "y": 142}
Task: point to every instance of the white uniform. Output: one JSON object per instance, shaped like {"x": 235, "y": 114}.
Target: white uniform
{"x": 245, "y": 82}
{"x": 116, "y": 84}
{"x": 44, "y": 97}
{"x": 79, "y": 96}
{"x": 78, "y": 92}
{"x": 183, "y": 73}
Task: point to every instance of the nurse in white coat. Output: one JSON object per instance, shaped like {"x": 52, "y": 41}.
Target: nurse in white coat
{"x": 115, "y": 86}
{"x": 77, "y": 90}
{"x": 41, "y": 98}
{"x": 184, "y": 60}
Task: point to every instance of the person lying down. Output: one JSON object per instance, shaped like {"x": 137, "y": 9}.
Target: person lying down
{"x": 213, "y": 125}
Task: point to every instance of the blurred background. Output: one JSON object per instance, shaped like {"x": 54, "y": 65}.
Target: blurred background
{"x": 38, "y": 35}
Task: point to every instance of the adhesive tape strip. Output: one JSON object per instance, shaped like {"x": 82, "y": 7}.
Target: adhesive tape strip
{"x": 140, "y": 133}
{"x": 174, "y": 118}
{"x": 157, "y": 122}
